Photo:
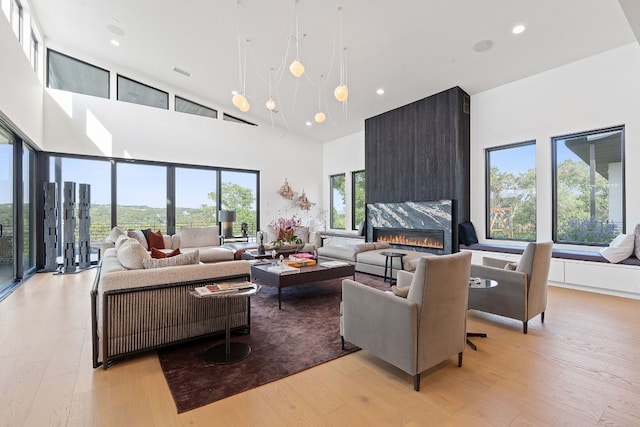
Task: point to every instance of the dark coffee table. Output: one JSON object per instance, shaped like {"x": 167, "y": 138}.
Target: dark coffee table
{"x": 315, "y": 273}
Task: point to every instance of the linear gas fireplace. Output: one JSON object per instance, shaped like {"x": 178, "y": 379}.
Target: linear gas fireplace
{"x": 433, "y": 239}
{"x": 427, "y": 226}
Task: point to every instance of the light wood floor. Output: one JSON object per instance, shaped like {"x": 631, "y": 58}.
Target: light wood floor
{"x": 582, "y": 368}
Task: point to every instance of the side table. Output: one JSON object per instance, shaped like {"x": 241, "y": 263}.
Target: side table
{"x": 229, "y": 352}
{"x": 388, "y": 264}
{"x": 478, "y": 283}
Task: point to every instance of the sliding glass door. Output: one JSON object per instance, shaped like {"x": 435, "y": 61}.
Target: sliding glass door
{"x": 7, "y": 260}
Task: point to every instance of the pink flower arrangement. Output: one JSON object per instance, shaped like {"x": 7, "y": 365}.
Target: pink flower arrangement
{"x": 285, "y": 223}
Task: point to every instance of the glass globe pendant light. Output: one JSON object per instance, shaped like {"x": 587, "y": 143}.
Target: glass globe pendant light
{"x": 296, "y": 68}
{"x": 239, "y": 99}
{"x": 341, "y": 92}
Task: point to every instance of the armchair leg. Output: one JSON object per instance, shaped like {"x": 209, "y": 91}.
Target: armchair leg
{"x": 524, "y": 327}
{"x": 342, "y": 341}
{"x": 416, "y": 382}
{"x": 460, "y": 359}
{"x": 542, "y": 316}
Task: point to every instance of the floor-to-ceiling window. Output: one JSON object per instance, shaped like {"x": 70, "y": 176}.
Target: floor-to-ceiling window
{"x": 28, "y": 210}
{"x": 96, "y": 173}
{"x": 17, "y": 196}
{"x": 196, "y": 201}
{"x": 239, "y": 192}
{"x": 142, "y": 196}
{"x": 7, "y": 264}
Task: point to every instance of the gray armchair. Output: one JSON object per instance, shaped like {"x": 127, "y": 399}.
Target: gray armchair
{"x": 521, "y": 294}
{"x": 420, "y": 331}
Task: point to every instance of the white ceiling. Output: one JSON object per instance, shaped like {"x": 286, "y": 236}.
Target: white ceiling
{"x": 412, "y": 49}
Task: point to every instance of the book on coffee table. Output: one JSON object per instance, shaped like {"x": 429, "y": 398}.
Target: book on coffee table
{"x": 333, "y": 264}
{"x": 223, "y": 288}
{"x": 283, "y": 269}
{"x": 212, "y": 290}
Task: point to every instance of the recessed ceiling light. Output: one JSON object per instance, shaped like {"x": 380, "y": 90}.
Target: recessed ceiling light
{"x": 308, "y": 123}
{"x": 518, "y": 29}
{"x": 380, "y": 91}
{"x": 115, "y": 42}
{"x": 483, "y": 45}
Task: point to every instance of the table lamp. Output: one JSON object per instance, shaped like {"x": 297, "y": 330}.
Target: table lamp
{"x": 226, "y": 219}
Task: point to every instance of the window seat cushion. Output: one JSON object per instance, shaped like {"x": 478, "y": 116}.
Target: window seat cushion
{"x": 557, "y": 253}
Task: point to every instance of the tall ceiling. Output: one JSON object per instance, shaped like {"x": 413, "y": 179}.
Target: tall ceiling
{"x": 411, "y": 49}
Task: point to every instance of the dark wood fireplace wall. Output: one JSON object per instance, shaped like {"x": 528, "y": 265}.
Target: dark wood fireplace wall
{"x": 421, "y": 152}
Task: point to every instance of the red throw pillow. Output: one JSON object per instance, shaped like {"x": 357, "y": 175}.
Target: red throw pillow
{"x": 155, "y": 240}
{"x": 157, "y": 253}
{"x": 285, "y": 234}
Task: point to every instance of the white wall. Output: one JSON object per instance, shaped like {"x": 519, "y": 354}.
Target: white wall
{"x": 343, "y": 155}
{"x": 597, "y": 92}
{"x": 20, "y": 88}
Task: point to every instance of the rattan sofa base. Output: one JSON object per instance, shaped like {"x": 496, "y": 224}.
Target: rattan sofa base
{"x": 135, "y": 320}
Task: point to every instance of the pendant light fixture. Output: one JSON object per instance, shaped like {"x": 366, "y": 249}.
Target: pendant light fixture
{"x": 320, "y": 116}
{"x": 270, "y": 104}
{"x": 341, "y": 92}
{"x": 239, "y": 99}
{"x": 296, "y": 67}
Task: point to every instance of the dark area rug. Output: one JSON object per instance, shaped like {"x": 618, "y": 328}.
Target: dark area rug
{"x": 305, "y": 333}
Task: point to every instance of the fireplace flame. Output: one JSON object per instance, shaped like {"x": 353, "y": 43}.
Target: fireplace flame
{"x": 399, "y": 239}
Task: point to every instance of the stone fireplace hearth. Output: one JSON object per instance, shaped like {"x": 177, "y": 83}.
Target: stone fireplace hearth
{"x": 422, "y": 226}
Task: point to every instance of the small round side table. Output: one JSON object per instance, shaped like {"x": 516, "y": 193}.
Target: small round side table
{"x": 229, "y": 352}
{"x": 388, "y": 264}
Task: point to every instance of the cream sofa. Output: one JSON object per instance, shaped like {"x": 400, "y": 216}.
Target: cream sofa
{"x": 204, "y": 239}
{"x": 312, "y": 239}
{"x": 368, "y": 258}
{"x": 136, "y": 309}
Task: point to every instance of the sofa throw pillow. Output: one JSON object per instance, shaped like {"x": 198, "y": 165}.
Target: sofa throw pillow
{"x": 467, "y": 234}
{"x": 511, "y": 266}
{"x": 636, "y": 233}
{"x": 197, "y": 237}
{"x": 139, "y": 236}
{"x": 154, "y": 239}
{"x": 182, "y": 259}
{"x": 619, "y": 249}
{"x": 122, "y": 240}
{"x": 116, "y": 232}
{"x": 157, "y": 253}
{"x": 401, "y": 292}
{"x": 131, "y": 255}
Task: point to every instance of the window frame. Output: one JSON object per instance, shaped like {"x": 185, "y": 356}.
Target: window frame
{"x": 171, "y": 182}
{"x": 34, "y": 51}
{"x": 118, "y": 76}
{"x": 233, "y": 119}
{"x": 20, "y": 15}
{"x": 354, "y": 223}
{"x": 175, "y": 107}
{"x": 331, "y": 201}
{"x": 487, "y": 192}
{"x": 554, "y": 181}
{"x": 48, "y": 73}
